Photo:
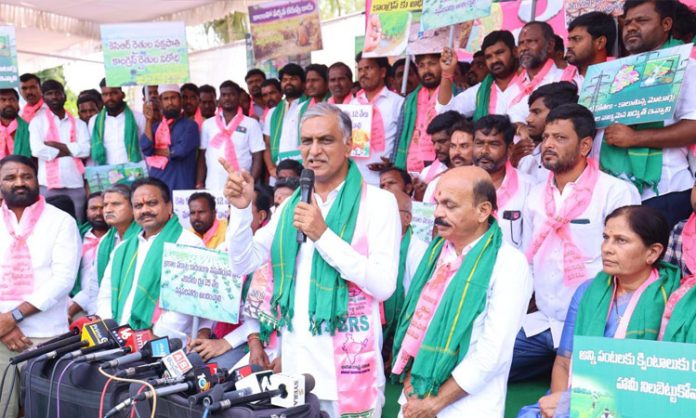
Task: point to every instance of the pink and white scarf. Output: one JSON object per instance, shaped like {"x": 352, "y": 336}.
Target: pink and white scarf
{"x": 556, "y": 229}
{"x": 6, "y": 138}
{"x": 509, "y": 187}
{"x": 346, "y": 100}
{"x": 53, "y": 176}
{"x": 163, "y": 140}
{"x": 434, "y": 170}
{"x": 527, "y": 87}
{"x": 224, "y": 137}
{"x": 17, "y": 279}
{"x": 198, "y": 118}
{"x": 377, "y": 140}
{"x": 29, "y": 111}
{"x": 421, "y": 148}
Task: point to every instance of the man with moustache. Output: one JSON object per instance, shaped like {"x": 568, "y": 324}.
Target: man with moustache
{"x": 115, "y": 130}
{"x": 386, "y": 107}
{"x": 30, "y": 89}
{"x": 40, "y": 247}
{"x": 414, "y": 149}
{"x": 493, "y": 136}
{"x": 559, "y": 216}
{"x": 453, "y": 343}
{"x": 254, "y": 80}
{"x": 207, "y": 101}
{"x": 231, "y": 135}
{"x": 84, "y": 293}
{"x": 204, "y": 221}
{"x": 535, "y": 48}
{"x": 129, "y": 292}
{"x": 494, "y": 93}
{"x": 340, "y": 83}
{"x": 316, "y": 86}
{"x": 60, "y": 142}
{"x": 397, "y": 76}
{"x": 14, "y": 131}
{"x": 280, "y": 131}
{"x": 272, "y": 95}
{"x": 170, "y": 146}
{"x": 190, "y": 101}
{"x": 461, "y": 144}
{"x": 329, "y": 276}
{"x": 655, "y": 157}
{"x": 591, "y": 38}
{"x": 396, "y": 179}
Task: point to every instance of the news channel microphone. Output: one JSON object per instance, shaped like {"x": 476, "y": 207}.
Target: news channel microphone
{"x": 98, "y": 336}
{"x": 306, "y": 190}
{"x": 282, "y": 390}
{"x": 75, "y": 329}
{"x": 226, "y": 382}
{"x": 152, "y": 349}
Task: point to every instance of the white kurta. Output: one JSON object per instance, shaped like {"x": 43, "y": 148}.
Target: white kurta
{"x": 114, "y": 135}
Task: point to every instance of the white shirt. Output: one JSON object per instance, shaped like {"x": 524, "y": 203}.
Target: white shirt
{"x": 429, "y": 195}
{"x": 374, "y": 274}
{"x": 70, "y": 177}
{"x": 170, "y": 323}
{"x": 483, "y": 371}
{"x": 512, "y": 227}
{"x": 552, "y": 296}
{"x": 676, "y": 175}
{"x": 114, "y": 135}
{"x": 414, "y": 254}
{"x": 389, "y": 105}
{"x": 89, "y": 284}
{"x": 465, "y": 102}
{"x": 290, "y": 134}
{"x": 519, "y": 111}
{"x": 531, "y": 166}
{"x": 247, "y": 140}
{"x": 55, "y": 257}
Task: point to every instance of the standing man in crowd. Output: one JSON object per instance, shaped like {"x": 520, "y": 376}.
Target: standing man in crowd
{"x": 340, "y": 83}
{"x": 87, "y": 106}
{"x": 272, "y": 95}
{"x": 170, "y": 146}
{"x": 14, "y": 131}
{"x": 254, "y": 80}
{"x": 316, "y": 86}
{"x": 231, "y": 135}
{"x": 207, "y": 101}
{"x": 414, "y": 148}
{"x": 40, "y": 248}
{"x": 591, "y": 39}
{"x": 60, "y": 141}
{"x": 190, "y": 102}
{"x": 386, "y": 107}
{"x": 30, "y": 89}
{"x": 204, "y": 221}
{"x": 280, "y": 131}
{"x": 360, "y": 264}
{"x": 115, "y": 130}
{"x": 460, "y": 134}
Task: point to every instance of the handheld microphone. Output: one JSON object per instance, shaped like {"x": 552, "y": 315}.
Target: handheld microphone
{"x": 228, "y": 382}
{"x": 286, "y": 390}
{"x": 75, "y": 329}
{"x": 98, "y": 337}
{"x": 152, "y": 349}
{"x": 136, "y": 339}
{"x": 306, "y": 190}
{"x": 60, "y": 351}
{"x": 161, "y": 391}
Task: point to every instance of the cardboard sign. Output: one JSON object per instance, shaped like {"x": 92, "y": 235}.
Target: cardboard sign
{"x": 9, "y": 75}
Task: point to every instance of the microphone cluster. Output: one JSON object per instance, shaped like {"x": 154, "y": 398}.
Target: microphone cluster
{"x": 124, "y": 353}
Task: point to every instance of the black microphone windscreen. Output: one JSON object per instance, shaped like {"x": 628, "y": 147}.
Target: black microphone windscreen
{"x": 309, "y": 382}
{"x": 195, "y": 358}
{"x": 175, "y": 344}
{"x": 110, "y": 323}
{"x": 307, "y": 177}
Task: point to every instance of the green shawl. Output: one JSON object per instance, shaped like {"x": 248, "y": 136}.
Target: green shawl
{"x": 123, "y": 272}
{"x": 410, "y": 113}
{"x": 642, "y": 165}
{"x": 448, "y": 336}
{"x": 130, "y": 134}
{"x": 483, "y": 97}
{"x": 646, "y": 318}
{"x": 328, "y": 293}
{"x": 21, "y": 139}
{"x": 681, "y": 327}
{"x": 277, "y": 126}
{"x": 107, "y": 244}
{"x": 393, "y": 305}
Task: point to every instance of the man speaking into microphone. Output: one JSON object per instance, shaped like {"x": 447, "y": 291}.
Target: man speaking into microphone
{"x": 326, "y": 289}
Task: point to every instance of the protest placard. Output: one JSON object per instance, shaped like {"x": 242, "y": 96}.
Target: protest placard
{"x": 181, "y": 208}
{"x": 636, "y": 89}
{"x": 9, "y": 75}
{"x": 285, "y": 27}
{"x": 145, "y": 53}
{"x": 198, "y": 281}
{"x": 440, "y": 13}
{"x": 101, "y": 177}
{"x": 388, "y": 27}
{"x": 361, "y": 118}
{"x": 423, "y": 220}
{"x": 614, "y": 377}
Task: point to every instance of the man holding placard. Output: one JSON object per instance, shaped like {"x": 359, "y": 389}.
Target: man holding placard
{"x": 116, "y": 129}
{"x": 327, "y": 288}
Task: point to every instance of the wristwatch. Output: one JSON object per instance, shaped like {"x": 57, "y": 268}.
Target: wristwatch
{"x": 17, "y": 315}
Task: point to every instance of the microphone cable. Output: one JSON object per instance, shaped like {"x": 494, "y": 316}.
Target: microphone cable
{"x": 60, "y": 379}
{"x": 50, "y": 385}
{"x": 124, "y": 380}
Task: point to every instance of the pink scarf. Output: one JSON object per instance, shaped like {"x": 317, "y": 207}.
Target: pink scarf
{"x": 198, "y": 118}
{"x": 17, "y": 279}
{"x": 556, "y": 228}
{"x": 509, "y": 187}
{"x": 686, "y": 285}
{"x": 421, "y": 148}
{"x": 210, "y": 233}
{"x": 29, "y": 111}
{"x": 428, "y": 302}
{"x": 224, "y": 136}
{"x": 689, "y": 243}
{"x": 569, "y": 73}
{"x": 163, "y": 139}
{"x": 6, "y": 139}
{"x": 526, "y": 88}
{"x": 53, "y": 178}
{"x": 346, "y": 100}
{"x": 377, "y": 140}
{"x": 635, "y": 297}
{"x": 89, "y": 244}
{"x": 434, "y": 169}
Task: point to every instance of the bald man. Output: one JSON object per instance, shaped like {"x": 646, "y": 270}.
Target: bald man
{"x": 410, "y": 254}
{"x": 463, "y": 307}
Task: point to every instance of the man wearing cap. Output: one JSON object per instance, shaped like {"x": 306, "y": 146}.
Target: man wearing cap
{"x": 170, "y": 146}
